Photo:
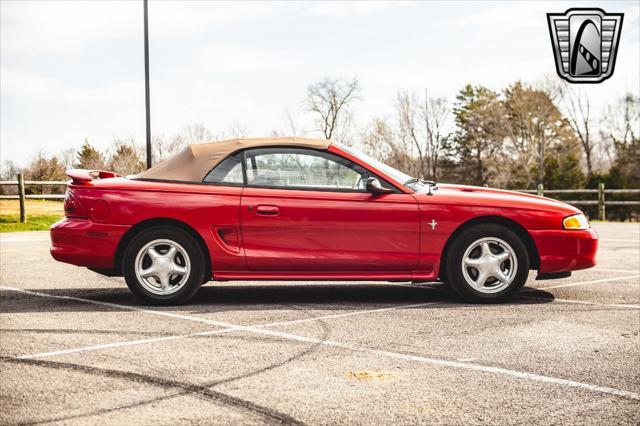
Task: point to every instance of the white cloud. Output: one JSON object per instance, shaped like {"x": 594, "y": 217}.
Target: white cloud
{"x": 71, "y": 70}
{"x": 33, "y": 27}
{"x": 342, "y": 9}
{"x": 188, "y": 18}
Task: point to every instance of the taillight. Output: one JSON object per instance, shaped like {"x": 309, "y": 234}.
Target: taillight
{"x": 69, "y": 203}
{"x": 72, "y": 207}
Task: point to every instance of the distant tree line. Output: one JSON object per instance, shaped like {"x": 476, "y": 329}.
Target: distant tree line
{"x": 517, "y": 137}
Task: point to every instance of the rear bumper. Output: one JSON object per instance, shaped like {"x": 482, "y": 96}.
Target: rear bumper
{"x": 83, "y": 242}
{"x": 565, "y": 250}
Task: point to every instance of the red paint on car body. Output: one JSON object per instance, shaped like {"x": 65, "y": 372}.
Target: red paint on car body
{"x": 261, "y": 234}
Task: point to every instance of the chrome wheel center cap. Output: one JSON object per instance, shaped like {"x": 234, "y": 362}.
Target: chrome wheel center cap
{"x": 163, "y": 265}
{"x": 489, "y": 264}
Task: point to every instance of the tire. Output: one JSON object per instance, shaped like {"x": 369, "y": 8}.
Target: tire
{"x": 468, "y": 263}
{"x": 164, "y": 265}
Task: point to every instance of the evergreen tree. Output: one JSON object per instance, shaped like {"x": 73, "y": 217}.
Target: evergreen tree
{"x": 478, "y": 142}
{"x": 89, "y": 158}
{"x": 563, "y": 170}
{"x": 125, "y": 160}
{"x": 540, "y": 138}
{"x": 44, "y": 168}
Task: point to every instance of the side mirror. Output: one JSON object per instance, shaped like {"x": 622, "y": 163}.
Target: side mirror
{"x": 375, "y": 187}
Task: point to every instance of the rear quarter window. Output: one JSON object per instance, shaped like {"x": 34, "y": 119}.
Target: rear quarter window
{"x": 228, "y": 172}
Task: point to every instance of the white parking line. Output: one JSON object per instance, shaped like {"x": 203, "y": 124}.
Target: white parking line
{"x": 212, "y": 332}
{"x": 348, "y": 314}
{"x": 117, "y": 306}
{"x": 620, "y": 240}
{"x": 555, "y": 299}
{"x": 604, "y": 280}
{"x": 205, "y": 333}
{"x": 126, "y": 343}
{"x": 395, "y": 355}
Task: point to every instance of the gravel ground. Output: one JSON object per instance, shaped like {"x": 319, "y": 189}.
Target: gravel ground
{"x": 77, "y": 348}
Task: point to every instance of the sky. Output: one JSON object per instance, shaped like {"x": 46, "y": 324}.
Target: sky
{"x": 75, "y": 70}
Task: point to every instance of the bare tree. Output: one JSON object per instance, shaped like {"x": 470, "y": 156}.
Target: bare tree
{"x": 166, "y": 146}
{"x": 623, "y": 120}
{"x": 380, "y": 140}
{"x": 194, "y": 133}
{"x": 534, "y": 127}
{"x": 67, "y": 157}
{"x": 291, "y": 126}
{"x": 161, "y": 148}
{"x": 125, "y": 160}
{"x": 45, "y": 167}
{"x": 330, "y": 101}
{"x": 410, "y": 132}
{"x": 423, "y": 126}
{"x": 623, "y": 134}
{"x": 436, "y": 115}
{"x": 578, "y": 110}
{"x": 9, "y": 171}
{"x": 292, "y": 123}
{"x": 237, "y": 130}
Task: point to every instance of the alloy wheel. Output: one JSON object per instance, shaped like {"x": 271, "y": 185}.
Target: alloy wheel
{"x": 489, "y": 265}
{"x": 162, "y": 266}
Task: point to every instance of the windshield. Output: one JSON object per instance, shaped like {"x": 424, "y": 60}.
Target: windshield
{"x": 395, "y": 174}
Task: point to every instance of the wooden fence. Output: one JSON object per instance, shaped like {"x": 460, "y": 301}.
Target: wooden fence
{"x": 21, "y": 183}
{"x": 601, "y": 199}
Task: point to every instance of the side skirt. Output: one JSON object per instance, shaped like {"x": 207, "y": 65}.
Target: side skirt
{"x": 323, "y": 276}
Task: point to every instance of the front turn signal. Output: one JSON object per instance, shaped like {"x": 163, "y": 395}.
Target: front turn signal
{"x": 577, "y": 221}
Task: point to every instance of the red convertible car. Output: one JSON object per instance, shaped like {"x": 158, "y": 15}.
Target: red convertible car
{"x": 305, "y": 209}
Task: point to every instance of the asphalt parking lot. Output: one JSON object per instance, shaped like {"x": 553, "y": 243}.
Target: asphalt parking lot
{"x": 77, "y": 348}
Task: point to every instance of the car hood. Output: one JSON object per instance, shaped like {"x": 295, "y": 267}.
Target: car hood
{"x": 491, "y": 197}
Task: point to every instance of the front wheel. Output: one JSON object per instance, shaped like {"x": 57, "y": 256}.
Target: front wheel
{"x": 487, "y": 262}
{"x": 164, "y": 266}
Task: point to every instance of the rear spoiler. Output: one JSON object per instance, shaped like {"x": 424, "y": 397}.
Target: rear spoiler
{"x": 84, "y": 175}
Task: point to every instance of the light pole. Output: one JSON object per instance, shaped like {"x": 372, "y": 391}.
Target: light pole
{"x": 146, "y": 79}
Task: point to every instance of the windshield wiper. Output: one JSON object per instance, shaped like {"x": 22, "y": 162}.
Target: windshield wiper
{"x": 413, "y": 180}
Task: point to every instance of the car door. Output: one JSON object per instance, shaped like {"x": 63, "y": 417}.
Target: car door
{"x": 308, "y": 210}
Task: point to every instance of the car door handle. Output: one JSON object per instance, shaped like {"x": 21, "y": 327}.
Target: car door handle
{"x": 267, "y": 210}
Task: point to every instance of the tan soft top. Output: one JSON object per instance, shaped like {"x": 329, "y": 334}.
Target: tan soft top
{"x": 194, "y": 162}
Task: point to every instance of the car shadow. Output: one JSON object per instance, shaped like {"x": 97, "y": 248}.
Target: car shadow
{"x": 271, "y": 297}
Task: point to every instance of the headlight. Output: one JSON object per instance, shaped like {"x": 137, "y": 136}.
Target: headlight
{"x": 577, "y": 221}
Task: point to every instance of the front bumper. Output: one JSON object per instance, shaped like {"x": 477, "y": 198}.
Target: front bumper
{"x": 565, "y": 250}
{"x": 83, "y": 242}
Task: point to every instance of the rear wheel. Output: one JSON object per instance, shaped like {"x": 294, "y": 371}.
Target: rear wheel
{"x": 164, "y": 266}
{"x": 487, "y": 262}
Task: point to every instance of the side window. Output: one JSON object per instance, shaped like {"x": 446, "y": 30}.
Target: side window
{"x": 298, "y": 168}
{"x": 229, "y": 171}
